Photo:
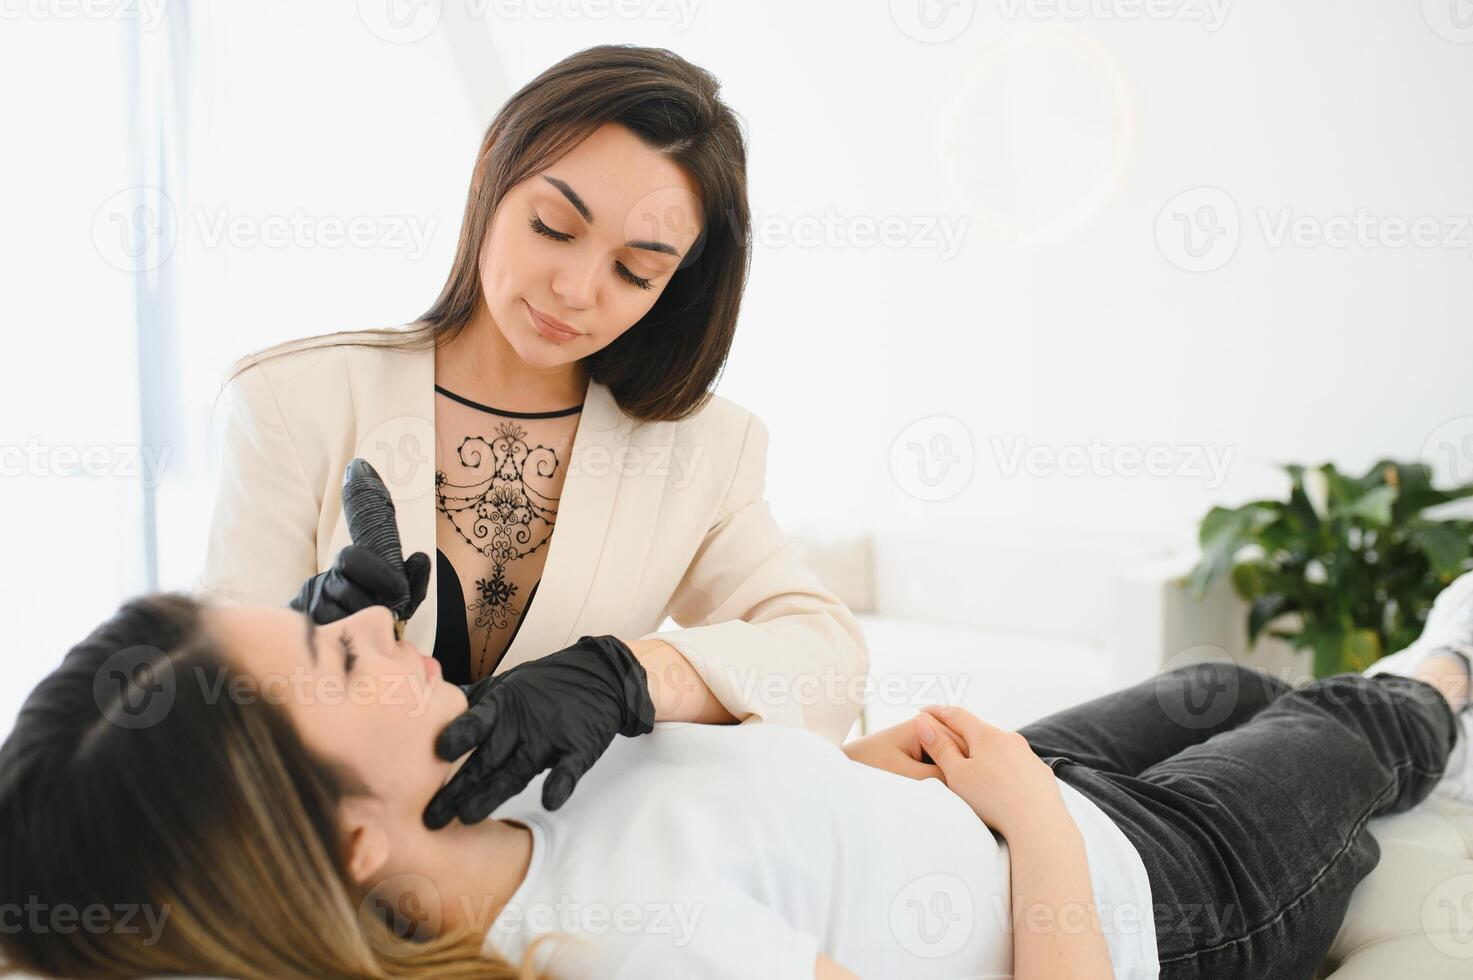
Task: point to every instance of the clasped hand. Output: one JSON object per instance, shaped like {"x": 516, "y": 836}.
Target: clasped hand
{"x": 995, "y": 771}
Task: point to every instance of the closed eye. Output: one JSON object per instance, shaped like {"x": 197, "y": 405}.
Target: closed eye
{"x": 350, "y": 656}
{"x": 537, "y": 225}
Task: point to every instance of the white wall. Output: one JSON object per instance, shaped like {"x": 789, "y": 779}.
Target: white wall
{"x": 1057, "y": 143}
{"x": 69, "y": 479}
{"x": 1050, "y": 144}
{"x": 1283, "y": 353}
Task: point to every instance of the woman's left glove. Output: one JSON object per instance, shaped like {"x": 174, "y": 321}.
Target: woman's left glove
{"x": 559, "y": 712}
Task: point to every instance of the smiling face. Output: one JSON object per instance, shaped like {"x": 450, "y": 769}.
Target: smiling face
{"x": 592, "y": 241}
{"x": 357, "y": 696}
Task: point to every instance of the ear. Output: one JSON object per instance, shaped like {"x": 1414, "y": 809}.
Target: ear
{"x": 365, "y": 837}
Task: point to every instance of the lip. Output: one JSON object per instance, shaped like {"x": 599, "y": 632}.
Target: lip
{"x": 552, "y": 329}
{"x": 431, "y": 668}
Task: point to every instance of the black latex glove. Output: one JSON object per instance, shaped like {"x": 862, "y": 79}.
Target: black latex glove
{"x": 359, "y": 578}
{"x": 559, "y": 712}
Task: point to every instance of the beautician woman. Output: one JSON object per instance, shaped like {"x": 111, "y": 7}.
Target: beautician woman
{"x": 548, "y": 434}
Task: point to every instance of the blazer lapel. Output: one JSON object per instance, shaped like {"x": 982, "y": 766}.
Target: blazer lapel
{"x": 584, "y": 512}
{"x": 394, "y": 398}
{"x": 394, "y": 407}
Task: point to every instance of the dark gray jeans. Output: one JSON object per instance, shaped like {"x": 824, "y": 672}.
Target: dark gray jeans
{"x": 1248, "y": 800}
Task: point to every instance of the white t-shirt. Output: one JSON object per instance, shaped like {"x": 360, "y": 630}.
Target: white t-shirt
{"x": 745, "y": 850}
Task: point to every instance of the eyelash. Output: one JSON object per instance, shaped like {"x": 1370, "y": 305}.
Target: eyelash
{"x": 350, "y": 656}
{"x": 536, "y": 225}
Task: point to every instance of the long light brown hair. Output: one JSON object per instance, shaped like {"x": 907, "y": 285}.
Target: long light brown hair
{"x": 665, "y": 365}
{"x": 212, "y": 822}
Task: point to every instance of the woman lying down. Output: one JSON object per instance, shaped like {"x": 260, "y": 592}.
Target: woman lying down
{"x": 199, "y": 816}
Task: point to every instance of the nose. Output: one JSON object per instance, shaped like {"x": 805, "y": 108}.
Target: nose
{"x": 576, "y": 284}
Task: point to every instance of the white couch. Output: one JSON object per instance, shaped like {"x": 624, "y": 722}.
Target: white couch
{"x": 1014, "y": 625}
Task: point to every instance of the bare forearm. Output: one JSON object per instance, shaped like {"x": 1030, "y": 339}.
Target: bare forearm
{"x": 678, "y": 691}
{"x": 1056, "y": 926}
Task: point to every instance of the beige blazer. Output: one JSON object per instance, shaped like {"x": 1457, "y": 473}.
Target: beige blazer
{"x": 656, "y": 520}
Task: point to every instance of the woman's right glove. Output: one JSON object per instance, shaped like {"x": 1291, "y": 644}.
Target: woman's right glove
{"x": 558, "y": 712}
{"x": 361, "y": 578}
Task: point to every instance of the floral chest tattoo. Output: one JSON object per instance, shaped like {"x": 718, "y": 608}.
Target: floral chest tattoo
{"x": 493, "y": 503}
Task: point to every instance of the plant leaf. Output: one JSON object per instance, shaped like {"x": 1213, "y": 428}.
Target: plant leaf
{"x": 1251, "y": 578}
{"x": 1447, "y": 546}
{"x": 1222, "y": 534}
{"x": 1325, "y": 647}
{"x": 1373, "y": 506}
{"x": 1359, "y": 649}
{"x": 1299, "y": 506}
{"x": 1414, "y": 480}
{"x": 1263, "y": 611}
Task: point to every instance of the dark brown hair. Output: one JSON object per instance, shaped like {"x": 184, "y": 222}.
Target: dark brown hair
{"x": 664, "y": 366}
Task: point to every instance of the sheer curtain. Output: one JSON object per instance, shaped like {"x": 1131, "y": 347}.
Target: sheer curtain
{"x": 196, "y": 182}
{"x": 71, "y": 472}
{"x": 327, "y": 173}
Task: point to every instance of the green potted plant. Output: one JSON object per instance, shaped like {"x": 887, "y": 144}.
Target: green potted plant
{"x": 1346, "y": 567}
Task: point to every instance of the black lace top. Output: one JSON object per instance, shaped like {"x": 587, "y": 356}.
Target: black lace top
{"x": 498, "y": 479}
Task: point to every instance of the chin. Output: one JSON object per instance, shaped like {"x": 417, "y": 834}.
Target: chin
{"x": 538, "y": 351}
{"x": 534, "y": 355}
{"x": 524, "y": 344}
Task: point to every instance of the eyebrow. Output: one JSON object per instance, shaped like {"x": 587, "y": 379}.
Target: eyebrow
{"x": 311, "y": 632}
{"x": 582, "y": 208}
